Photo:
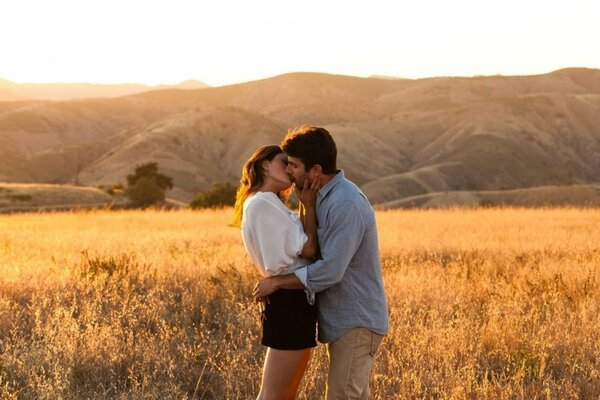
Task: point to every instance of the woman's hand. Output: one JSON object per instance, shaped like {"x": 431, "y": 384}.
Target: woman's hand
{"x": 308, "y": 194}
{"x": 263, "y": 288}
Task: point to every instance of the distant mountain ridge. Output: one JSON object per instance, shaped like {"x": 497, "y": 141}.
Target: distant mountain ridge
{"x": 10, "y": 91}
{"x": 397, "y": 139}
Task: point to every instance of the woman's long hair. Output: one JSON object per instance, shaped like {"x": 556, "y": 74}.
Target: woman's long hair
{"x": 252, "y": 178}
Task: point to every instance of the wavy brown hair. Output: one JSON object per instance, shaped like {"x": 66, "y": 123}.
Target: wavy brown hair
{"x": 253, "y": 178}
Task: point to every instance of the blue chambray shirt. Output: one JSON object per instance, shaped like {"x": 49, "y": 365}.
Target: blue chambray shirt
{"x": 347, "y": 279}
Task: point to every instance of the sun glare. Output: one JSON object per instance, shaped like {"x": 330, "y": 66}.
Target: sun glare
{"x": 235, "y": 41}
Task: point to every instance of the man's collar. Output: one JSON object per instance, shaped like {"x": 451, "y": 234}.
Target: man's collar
{"x": 339, "y": 176}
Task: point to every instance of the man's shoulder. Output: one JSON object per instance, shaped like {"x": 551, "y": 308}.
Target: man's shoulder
{"x": 346, "y": 191}
{"x": 346, "y": 199}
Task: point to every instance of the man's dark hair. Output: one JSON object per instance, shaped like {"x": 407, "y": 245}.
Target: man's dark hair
{"x": 312, "y": 145}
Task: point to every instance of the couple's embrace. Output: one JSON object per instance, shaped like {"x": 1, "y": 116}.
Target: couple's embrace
{"x": 320, "y": 264}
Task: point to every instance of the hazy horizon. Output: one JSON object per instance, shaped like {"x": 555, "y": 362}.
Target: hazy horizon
{"x": 175, "y": 83}
{"x": 184, "y": 80}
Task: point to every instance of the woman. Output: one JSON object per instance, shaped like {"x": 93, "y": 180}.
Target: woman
{"x": 279, "y": 241}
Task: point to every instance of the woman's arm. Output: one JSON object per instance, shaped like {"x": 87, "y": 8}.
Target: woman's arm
{"x": 308, "y": 216}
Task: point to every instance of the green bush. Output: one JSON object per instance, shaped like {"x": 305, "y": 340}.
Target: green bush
{"x": 221, "y": 194}
{"x": 145, "y": 192}
{"x": 150, "y": 170}
{"x": 146, "y": 186}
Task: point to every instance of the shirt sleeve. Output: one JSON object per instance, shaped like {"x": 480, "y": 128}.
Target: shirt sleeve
{"x": 277, "y": 238}
{"x": 340, "y": 240}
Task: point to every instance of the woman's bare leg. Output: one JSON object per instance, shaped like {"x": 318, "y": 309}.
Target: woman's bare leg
{"x": 282, "y": 373}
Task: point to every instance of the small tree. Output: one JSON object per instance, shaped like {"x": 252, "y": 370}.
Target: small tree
{"x": 146, "y": 186}
{"x": 221, "y": 194}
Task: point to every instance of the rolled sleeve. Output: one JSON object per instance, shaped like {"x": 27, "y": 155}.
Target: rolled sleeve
{"x": 302, "y": 275}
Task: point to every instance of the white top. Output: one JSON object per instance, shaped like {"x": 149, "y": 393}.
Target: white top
{"x": 273, "y": 235}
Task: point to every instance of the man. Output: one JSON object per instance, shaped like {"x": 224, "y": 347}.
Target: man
{"x": 352, "y": 309}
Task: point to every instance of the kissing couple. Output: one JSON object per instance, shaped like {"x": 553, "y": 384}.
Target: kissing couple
{"x": 320, "y": 265}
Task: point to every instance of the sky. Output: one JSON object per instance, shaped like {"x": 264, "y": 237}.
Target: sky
{"x": 223, "y": 42}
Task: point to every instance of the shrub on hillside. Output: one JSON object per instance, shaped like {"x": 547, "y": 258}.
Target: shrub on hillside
{"x": 221, "y": 194}
{"x": 146, "y": 186}
{"x": 150, "y": 170}
{"x": 145, "y": 192}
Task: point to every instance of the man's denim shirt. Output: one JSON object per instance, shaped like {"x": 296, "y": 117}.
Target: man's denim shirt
{"x": 347, "y": 279}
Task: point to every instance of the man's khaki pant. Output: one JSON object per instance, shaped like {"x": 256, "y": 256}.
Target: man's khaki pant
{"x": 350, "y": 362}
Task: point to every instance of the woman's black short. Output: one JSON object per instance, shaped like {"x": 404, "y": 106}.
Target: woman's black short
{"x": 289, "y": 322}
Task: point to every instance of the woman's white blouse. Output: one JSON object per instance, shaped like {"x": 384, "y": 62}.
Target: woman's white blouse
{"x": 273, "y": 235}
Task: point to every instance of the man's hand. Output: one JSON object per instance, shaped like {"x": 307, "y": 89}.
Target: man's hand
{"x": 263, "y": 288}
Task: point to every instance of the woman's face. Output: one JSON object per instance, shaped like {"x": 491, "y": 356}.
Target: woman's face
{"x": 276, "y": 172}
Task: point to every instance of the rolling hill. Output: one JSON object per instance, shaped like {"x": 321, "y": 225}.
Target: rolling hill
{"x": 10, "y": 91}
{"x": 397, "y": 138}
{"x": 27, "y": 197}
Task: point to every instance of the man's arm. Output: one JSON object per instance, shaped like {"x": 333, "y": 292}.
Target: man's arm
{"x": 342, "y": 239}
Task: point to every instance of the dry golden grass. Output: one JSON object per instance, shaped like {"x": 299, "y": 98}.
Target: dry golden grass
{"x": 484, "y": 304}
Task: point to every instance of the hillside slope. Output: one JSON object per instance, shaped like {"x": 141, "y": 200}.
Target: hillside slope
{"x": 396, "y": 138}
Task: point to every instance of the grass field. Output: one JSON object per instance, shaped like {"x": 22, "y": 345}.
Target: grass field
{"x": 484, "y": 304}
